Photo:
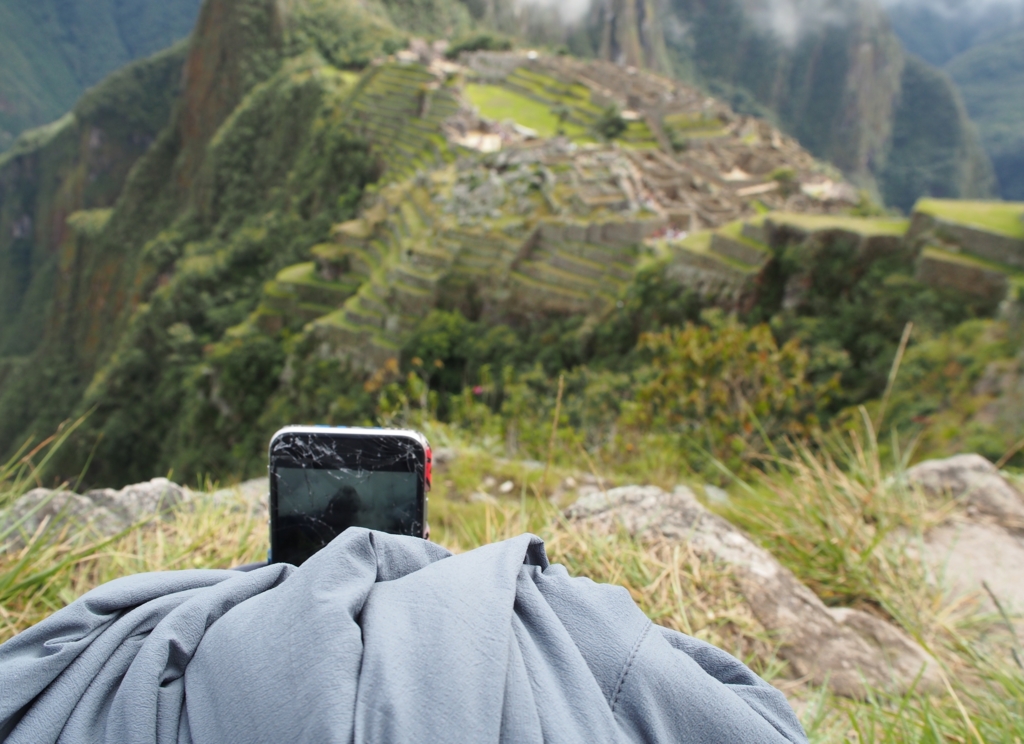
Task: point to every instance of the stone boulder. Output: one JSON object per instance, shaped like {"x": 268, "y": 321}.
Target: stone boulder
{"x": 976, "y": 482}
{"x": 980, "y": 551}
{"x": 102, "y": 512}
{"x": 843, "y": 648}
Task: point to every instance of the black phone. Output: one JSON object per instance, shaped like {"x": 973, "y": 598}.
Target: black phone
{"x": 324, "y": 480}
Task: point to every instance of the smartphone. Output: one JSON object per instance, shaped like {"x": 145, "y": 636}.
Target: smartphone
{"x": 324, "y": 480}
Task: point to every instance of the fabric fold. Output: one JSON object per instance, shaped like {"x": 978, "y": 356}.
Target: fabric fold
{"x": 377, "y": 638}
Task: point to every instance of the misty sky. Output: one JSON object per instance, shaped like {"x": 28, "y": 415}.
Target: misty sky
{"x": 789, "y": 20}
{"x": 570, "y": 11}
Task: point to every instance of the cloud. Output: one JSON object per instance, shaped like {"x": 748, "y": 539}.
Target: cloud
{"x": 570, "y": 11}
{"x": 790, "y": 20}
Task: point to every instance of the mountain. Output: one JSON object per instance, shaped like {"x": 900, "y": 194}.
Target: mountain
{"x": 833, "y": 75}
{"x": 840, "y": 84}
{"x": 325, "y": 203}
{"x": 981, "y": 47}
{"x": 51, "y": 51}
{"x": 81, "y": 161}
{"x": 937, "y": 31}
{"x": 270, "y": 223}
{"x": 835, "y": 85}
{"x": 991, "y": 79}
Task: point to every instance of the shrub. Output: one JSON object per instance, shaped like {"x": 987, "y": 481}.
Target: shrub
{"x": 610, "y": 124}
{"x": 483, "y": 42}
{"x": 725, "y": 387}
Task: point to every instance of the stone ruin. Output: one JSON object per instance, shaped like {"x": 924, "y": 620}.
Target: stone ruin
{"x": 488, "y": 217}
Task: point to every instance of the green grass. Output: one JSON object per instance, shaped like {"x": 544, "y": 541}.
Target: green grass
{"x": 500, "y": 104}
{"x": 734, "y": 231}
{"x": 556, "y": 92}
{"x": 1003, "y": 218}
{"x": 639, "y": 136}
{"x": 866, "y": 226}
{"x": 692, "y": 123}
{"x": 700, "y": 244}
{"x": 968, "y": 259}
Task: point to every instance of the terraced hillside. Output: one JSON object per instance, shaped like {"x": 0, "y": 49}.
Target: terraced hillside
{"x": 521, "y": 211}
{"x": 974, "y": 247}
{"x": 501, "y": 197}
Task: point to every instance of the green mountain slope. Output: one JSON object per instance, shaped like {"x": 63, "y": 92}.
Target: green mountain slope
{"x": 935, "y": 149}
{"x": 79, "y": 162}
{"x": 250, "y": 168}
{"x": 315, "y": 205}
{"x": 937, "y": 32}
{"x": 991, "y": 79}
{"x": 981, "y": 46}
{"x": 52, "y": 50}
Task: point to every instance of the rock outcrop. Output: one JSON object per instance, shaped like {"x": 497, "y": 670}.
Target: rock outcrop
{"x": 979, "y": 551}
{"x": 102, "y": 512}
{"x": 847, "y": 649}
{"x": 977, "y": 483}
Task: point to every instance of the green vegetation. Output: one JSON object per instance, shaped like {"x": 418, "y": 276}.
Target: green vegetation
{"x": 866, "y": 227}
{"x": 981, "y": 49}
{"x": 52, "y": 51}
{"x": 200, "y": 280}
{"x": 434, "y": 18}
{"x": 552, "y": 107}
{"x": 955, "y": 392}
{"x": 282, "y": 170}
{"x": 935, "y": 151}
{"x": 227, "y": 247}
{"x": 481, "y": 42}
{"x": 990, "y": 77}
{"x": 1002, "y": 218}
{"x": 610, "y": 124}
{"x": 967, "y": 259}
{"x": 79, "y": 162}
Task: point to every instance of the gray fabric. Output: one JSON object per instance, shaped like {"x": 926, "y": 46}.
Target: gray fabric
{"x": 377, "y": 638}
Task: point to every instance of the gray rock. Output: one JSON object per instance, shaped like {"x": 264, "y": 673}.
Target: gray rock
{"x": 58, "y": 510}
{"x": 253, "y": 495}
{"x": 975, "y": 481}
{"x": 142, "y": 500}
{"x": 445, "y": 455}
{"x": 98, "y": 513}
{"x": 965, "y": 555}
{"x": 841, "y": 647}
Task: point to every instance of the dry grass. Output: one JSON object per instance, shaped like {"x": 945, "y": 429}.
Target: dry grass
{"x": 55, "y": 568}
{"x": 833, "y": 514}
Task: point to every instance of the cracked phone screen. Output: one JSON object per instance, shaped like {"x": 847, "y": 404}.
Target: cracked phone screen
{"x": 322, "y": 484}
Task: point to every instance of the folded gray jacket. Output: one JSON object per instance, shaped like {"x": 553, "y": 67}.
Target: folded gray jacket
{"x": 377, "y": 638}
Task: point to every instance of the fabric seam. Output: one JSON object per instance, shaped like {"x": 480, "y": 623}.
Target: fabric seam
{"x": 629, "y": 665}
